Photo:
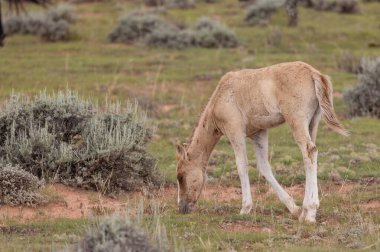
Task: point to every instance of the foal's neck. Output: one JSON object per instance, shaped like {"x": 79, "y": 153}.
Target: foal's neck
{"x": 204, "y": 138}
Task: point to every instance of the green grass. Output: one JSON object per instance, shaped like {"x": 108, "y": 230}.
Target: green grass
{"x": 186, "y": 79}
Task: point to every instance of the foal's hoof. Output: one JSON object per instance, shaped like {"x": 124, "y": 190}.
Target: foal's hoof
{"x": 246, "y": 210}
{"x": 307, "y": 216}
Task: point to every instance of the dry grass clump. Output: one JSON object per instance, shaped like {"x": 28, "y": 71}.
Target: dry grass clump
{"x": 348, "y": 62}
{"x": 63, "y": 138}
{"x": 152, "y": 30}
{"x": 364, "y": 98}
{"x": 54, "y": 25}
{"x": 353, "y": 234}
{"x": 19, "y": 187}
{"x": 274, "y": 37}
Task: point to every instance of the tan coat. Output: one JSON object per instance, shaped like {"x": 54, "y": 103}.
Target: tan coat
{"x": 245, "y": 104}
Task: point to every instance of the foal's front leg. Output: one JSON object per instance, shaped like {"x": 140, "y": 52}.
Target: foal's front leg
{"x": 239, "y": 145}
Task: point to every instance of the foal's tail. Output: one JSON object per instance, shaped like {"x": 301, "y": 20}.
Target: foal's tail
{"x": 323, "y": 88}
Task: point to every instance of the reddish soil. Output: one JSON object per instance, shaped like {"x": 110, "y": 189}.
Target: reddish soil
{"x": 245, "y": 226}
{"x": 373, "y": 206}
{"x": 74, "y": 203}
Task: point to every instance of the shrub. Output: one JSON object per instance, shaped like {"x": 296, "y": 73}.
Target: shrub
{"x": 171, "y": 38}
{"x": 348, "y": 62}
{"x": 54, "y": 25}
{"x": 154, "y": 3}
{"x": 364, "y": 99}
{"x": 136, "y": 26}
{"x": 154, "y": 31}
{"x": 19, "y": 187}
{"x": 62, "y": 12}
{"x": 211, "y": 34}
{"x": 63, "y": 138}
{"x": 118, "y": 233}
{"x": 181, "y": 4}
{"x": 261, "y": 11}
{"x": 341, "y": 6}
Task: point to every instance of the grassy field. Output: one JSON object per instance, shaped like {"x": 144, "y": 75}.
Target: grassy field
{"x": 175, "y": 84}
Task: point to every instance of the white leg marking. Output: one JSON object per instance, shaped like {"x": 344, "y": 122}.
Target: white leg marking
{"x": 239, "y": 147}
{"x": 311, "y": 200}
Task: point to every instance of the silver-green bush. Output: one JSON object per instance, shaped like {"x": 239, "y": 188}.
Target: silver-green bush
{"x": 152, "y": 30}
{"x": 261, "y": 11}
{"x": 364, "y": 98}
{"x": 136, "y": 26}
{"x": 19, "y": 187}
{"x": 171, "y": 38}
{"x": 119, "y": 233}
{"x": 180, "y": 4}
{"x": 212, "y": 34}
{"x": 62, "y": 138}
{"x": 54, "y": 25}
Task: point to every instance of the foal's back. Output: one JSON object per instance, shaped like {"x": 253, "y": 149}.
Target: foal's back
{"x": 265, "y": 97}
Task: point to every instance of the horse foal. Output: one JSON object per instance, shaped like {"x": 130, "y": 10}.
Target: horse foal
{"x": 247, "y": 103}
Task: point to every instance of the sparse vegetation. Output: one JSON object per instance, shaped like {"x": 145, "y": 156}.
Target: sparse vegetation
{"x": 364, "y": 99}
{"x": 54, "y": 25}
{"x": 19, "y": 187}
{"x": 62, "y": 138}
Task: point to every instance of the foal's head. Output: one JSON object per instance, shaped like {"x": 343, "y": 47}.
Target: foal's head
{"x": 190, "y": 178}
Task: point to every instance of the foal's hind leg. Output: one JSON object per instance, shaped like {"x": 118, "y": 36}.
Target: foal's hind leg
{"x": 260, "y": 142}
{"x": 301, "y": 133}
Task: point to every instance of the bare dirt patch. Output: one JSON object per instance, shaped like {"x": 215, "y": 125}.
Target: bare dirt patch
{"x": 76, "y": 203}
{"x": 372, "y": 206}
{"x": 245, "y": 226}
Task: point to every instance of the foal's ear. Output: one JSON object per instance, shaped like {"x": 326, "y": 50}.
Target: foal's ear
{"x": 181, "y": 151}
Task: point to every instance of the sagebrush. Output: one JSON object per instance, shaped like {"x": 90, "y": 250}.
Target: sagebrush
{"x": 119, "y": 233}
{"x": 152, "y": 30}
{"x": 54, "y": 25}
{"x": 364, "y": 98}
{"x": 19, "y": 187}
{"x": 212, "y": 34}
{"x": 63, "y": 138}
{"x": 136, "y": 26}
{"x": 180, "y": 4}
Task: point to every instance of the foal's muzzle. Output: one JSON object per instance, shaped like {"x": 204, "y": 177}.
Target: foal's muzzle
{"x": 185, "y": 207}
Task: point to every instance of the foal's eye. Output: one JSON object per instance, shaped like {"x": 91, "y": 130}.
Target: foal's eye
{"x": 180, "y": 178}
